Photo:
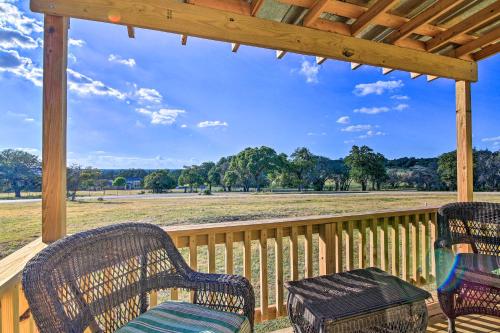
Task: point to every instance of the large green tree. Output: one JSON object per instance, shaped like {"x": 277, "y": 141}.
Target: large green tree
{"x": 253, "y": 164}
{"x": 302, "y": 164}
{"x": 447, "y": 170}
{"x": 358, "y": 161}
{"x": 19, "y": 169}
{"x": 191, "y": 177}
{"x": 160, "y": 181}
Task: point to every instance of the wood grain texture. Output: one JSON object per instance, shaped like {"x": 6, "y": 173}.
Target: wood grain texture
{"x": 464, "y": 141}
{"x": 181, "y": 18}
{"x": 55, "y": 56}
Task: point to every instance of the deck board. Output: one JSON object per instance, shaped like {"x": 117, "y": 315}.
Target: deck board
{"x": 466, "y": 324}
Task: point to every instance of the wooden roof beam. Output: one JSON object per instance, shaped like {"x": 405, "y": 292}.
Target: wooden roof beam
{"x": 433, "y": 11}
{"x": 181, "y": 18}
{"x": 470, "y": 23}
{"x": 234, "y": 6}
{"x": 130, "y": 31}
{"x": 486, "y": 52}
{"x": 488, "y": 38}
{"x": 370, "y": 15}
{"x": 184, "y": 39}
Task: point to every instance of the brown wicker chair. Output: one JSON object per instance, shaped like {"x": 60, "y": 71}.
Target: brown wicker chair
{"x": 468, "y": 283}
{"x": 101, "y": 279}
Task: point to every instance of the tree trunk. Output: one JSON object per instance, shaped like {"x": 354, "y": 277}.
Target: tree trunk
{"x": 363, "y": 186}
{"x": 17, "y": 192}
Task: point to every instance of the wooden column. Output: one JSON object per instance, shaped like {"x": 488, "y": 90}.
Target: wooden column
{"x": 464, "y": 142}
{"x": 55, "y": 55}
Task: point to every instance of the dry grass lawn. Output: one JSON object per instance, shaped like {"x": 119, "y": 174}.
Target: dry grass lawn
{"x": 21, "y": 222}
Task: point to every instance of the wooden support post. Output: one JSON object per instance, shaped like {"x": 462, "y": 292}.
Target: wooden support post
{"x": 464, "y": 142}
{"x": 55, "y": 58}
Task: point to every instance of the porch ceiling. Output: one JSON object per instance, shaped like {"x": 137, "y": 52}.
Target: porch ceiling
{"x": 441, "y": 38}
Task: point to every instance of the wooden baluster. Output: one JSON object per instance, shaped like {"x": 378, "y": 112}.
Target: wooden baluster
{"x": 419, "y": 248}
{"x": 375, "y": 242}
{"x": 385, "y": 240}
{"x": 360, "y": 245}
{"x": 229, "y": 253}
{"x": 365, "y": 259}
{"x": 396, "y": 246}
{"x": 407, "y": 248}
{"x": 9, "y": 311}
{"x": 294, "y": 254}
{"x": 338, "y": 242}
{"x": 427, "y": 247}
{"x": 247, "y": 256}
{"x": 193, "y": 257}
{"x": 174, "y": 292}
{"x": 350, "y": 245}
{"x": 414, "y": 254}
{"x": 264, "y": 288}
{"x": 433, "y": 233}
{"x": 308, "y": 248}
{"x": 279, "y": 272}
{"x": 25, "y": 324}
{"x": 211, "y": 253}
{"x": 326, "y": 249}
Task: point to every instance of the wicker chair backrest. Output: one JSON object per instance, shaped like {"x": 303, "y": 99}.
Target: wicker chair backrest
{"x": 100, "y": 279}
{"x": 474, "y": 223}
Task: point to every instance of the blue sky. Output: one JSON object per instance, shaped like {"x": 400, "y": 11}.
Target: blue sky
{"x": 150, "y": 102}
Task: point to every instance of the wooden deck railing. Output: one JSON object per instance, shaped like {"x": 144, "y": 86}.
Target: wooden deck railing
{"x": 269, "y": 252}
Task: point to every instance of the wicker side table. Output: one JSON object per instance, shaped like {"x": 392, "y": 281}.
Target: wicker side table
{"x": 363, "y": 300}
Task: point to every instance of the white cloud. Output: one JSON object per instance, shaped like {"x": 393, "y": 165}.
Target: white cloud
{"x": 12, "y": 62}
{"x": 401, "y": 107}
{"x": 147, "y": 95}
{"x": 492, "y": 139}
{"x": 119, "y": 60}
{"x": 72, "y": 58}
{"x": 373, "y": 110}
{"x": 11, "y": 16}
{"x": 356, "y": 128}
{"x": 215, "y": 123}
{"x": 400, "y": 97}
{"x": 29, "y": 120}
{"x": 343, "y": 120}
{"x": 85, "y": 86}
{"x": 377, "y": 88}
{"x": 316, "y": 134}
{"x": 310, "y": 71}
{"x": 370, "y": 134}
{"x": 11, "y": 38}
{"x": 162, "y": 116}
{"x": 184, "y": 126}
{"x": 76, "y": 42}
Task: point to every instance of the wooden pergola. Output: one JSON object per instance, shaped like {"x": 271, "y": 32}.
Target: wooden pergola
{"x": 437, "y": 38}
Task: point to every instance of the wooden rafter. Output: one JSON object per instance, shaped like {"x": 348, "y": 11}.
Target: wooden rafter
{"x": 433, "y": 11}
{"x": 315, "y": 11}
{"x": 184, "y": 39}
{"x": 486, "y": 52}
{"x": 431, "y": 78}
{"x": 386, "y": 70}
{"x": 388, "y": 20}
{"x": 414, "y": 75}
{"x": 370, "y": 15}
{"x": 355, "y": 65}
{"x": 180, "y": 18}
{"x": 131, "y": 32}
{"x": 235, "y": 47}
{"x": 462, "y": 27}
{"x": 320, "y": 60}
{"x": 255, "y": 6}
{"x": 280, "y": 54}
{"x": 486, "y": 39}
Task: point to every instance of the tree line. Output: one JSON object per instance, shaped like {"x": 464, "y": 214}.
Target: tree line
{"x": 258, "y": 168}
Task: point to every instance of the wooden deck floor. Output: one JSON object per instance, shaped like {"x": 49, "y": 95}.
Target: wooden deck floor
{"x": 466, "y": 324}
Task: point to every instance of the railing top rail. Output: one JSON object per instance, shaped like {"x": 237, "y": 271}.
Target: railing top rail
{"x": 12, "y": 266}
{"x": 196, "y": 229}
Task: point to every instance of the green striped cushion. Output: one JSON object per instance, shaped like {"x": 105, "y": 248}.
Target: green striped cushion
{"x": 187, "y": 318}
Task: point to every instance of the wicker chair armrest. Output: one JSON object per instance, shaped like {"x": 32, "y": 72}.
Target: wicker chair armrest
{"x": 224, "y": 292}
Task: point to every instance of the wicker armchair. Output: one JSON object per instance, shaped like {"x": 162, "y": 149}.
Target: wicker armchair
{"x": 101, "y": 279}
{"x": 468, "y": 283}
